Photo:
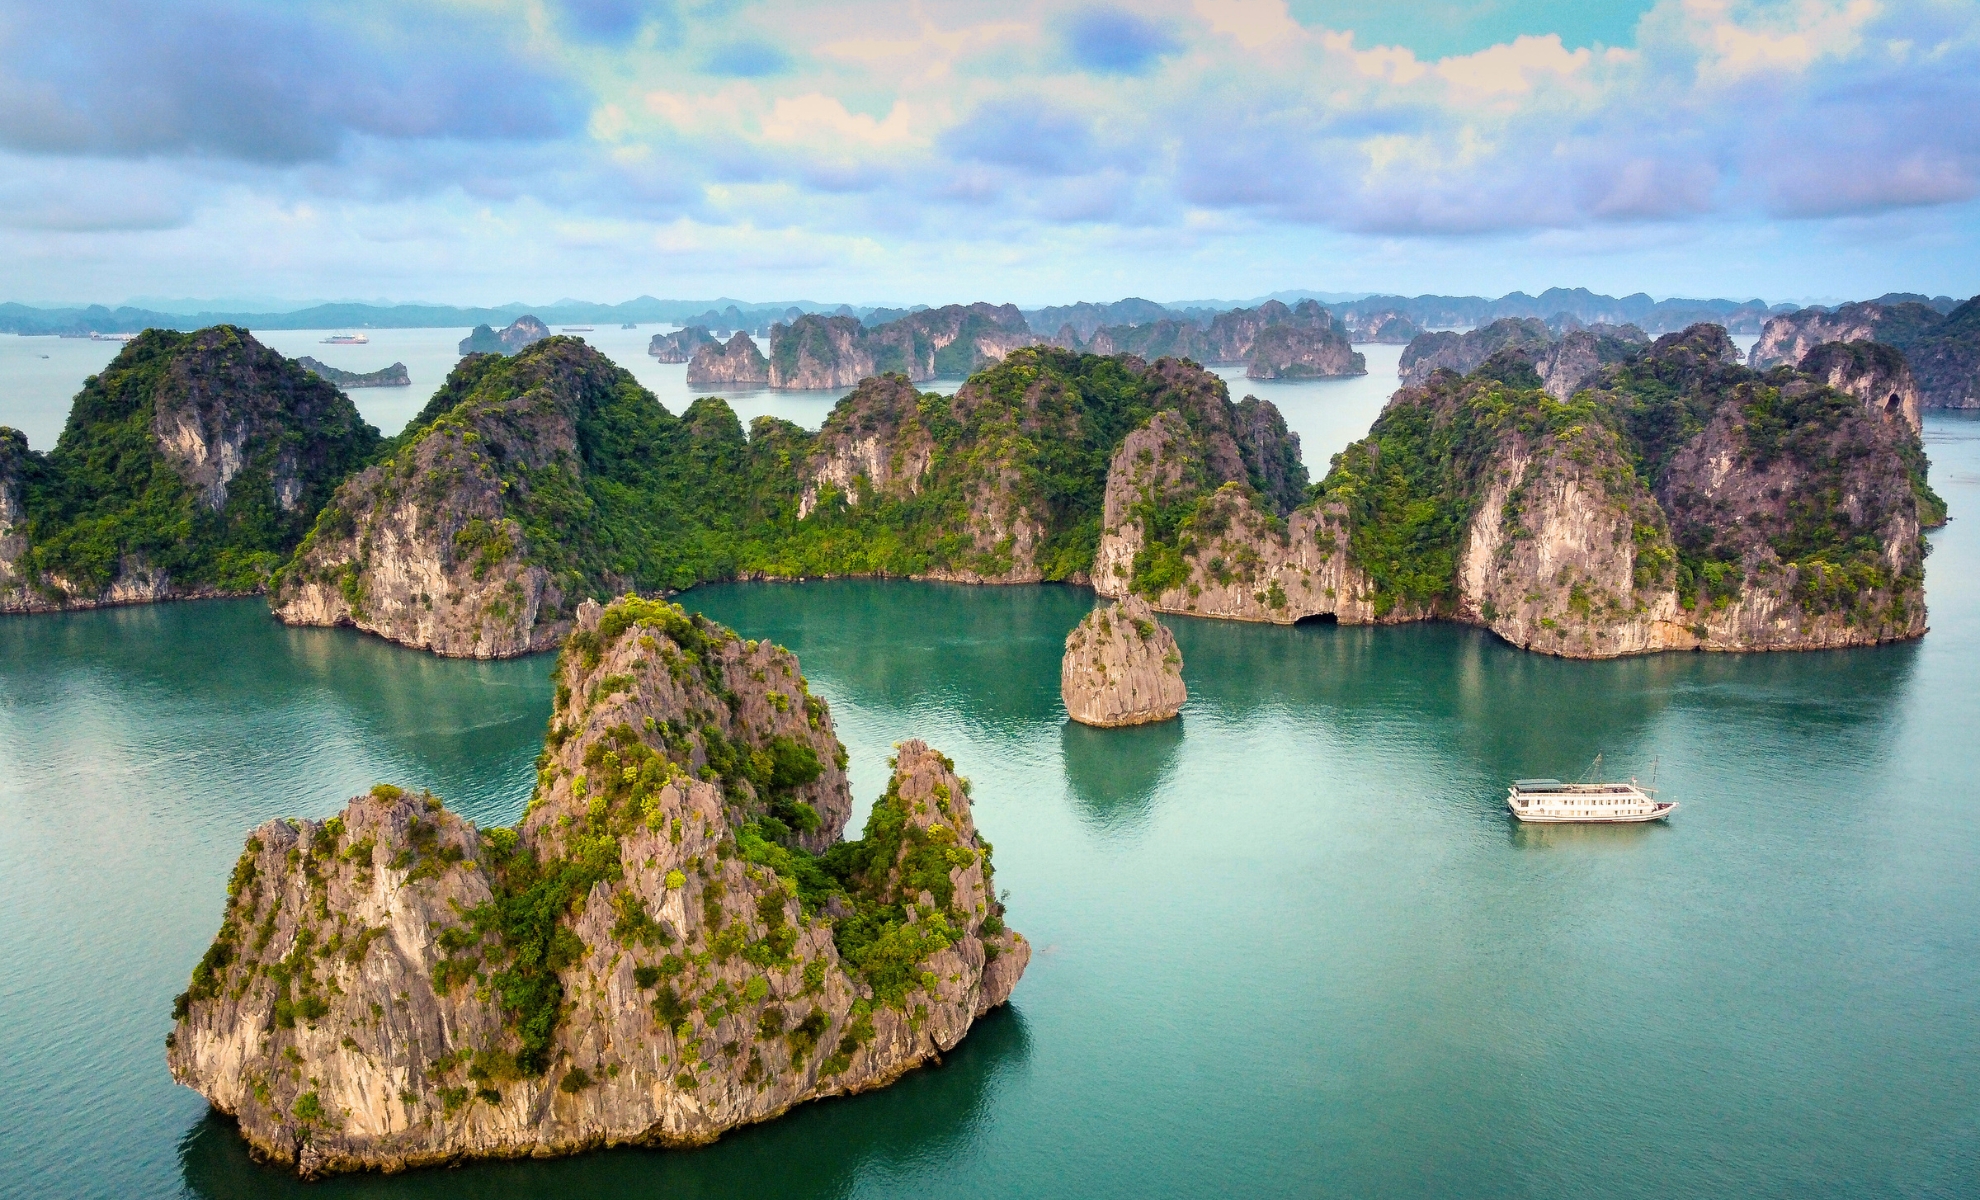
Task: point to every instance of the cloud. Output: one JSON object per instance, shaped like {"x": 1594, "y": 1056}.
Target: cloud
{"x": 929, "y": 129}
{"x": 1513, "y": 68}
{"x": 266, "y": 84}
{"x": 1251, "y": 23}
{"x": 1112, "y": 40}
{"x": 53, "y": 195}
{"x": 815, "y": 119}
{"x": 1024, "y": 134}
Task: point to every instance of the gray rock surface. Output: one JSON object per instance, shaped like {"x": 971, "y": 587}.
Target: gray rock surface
{"x": 363, "y": 1004}
{"x": 1304, "y": 351}
{"x": 392, "y": 376}
{"x": 523, "y": 331}
{"x": 1581, "y": 354}
{"x": 1121, "y": 667}
{"x": 1870, "y": 371}
{"x": 1463, "y": 352}
{"x": 680, "y": 345}
{"x": 738, "y": 362}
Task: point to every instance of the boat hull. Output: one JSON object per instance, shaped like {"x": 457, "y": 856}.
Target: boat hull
{"x": 1657, "y": 813}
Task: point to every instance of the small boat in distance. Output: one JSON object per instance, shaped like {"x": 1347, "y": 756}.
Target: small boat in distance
{"x": 577, "y": 329}
{"x": 1551, "y": 802}
{"x": 347, "y": 339}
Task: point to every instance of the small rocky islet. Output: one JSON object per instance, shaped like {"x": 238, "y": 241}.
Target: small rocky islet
{"x": 1121, "y": 667}
{"x": 674, "y": 941}
{"x": 392, "y": 376}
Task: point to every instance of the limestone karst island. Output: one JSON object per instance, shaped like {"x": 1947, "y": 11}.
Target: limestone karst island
{"x": 1134, "y": 601}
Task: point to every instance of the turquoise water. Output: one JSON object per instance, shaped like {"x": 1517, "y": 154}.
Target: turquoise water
{"x": 1289, "y": 945}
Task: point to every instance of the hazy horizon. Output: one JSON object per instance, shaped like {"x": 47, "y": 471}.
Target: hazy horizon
{"x": 274, "y": 306}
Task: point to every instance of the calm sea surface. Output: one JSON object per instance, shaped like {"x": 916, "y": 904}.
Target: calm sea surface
{"x": 1289, "y": 945}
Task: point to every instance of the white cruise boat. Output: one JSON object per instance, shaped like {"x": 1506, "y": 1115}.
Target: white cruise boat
{"x": 1549, "y": 801}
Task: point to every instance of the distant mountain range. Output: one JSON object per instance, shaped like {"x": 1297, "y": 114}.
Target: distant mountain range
{"x": 723, "y": 313}
{"x": 96, "y": 318}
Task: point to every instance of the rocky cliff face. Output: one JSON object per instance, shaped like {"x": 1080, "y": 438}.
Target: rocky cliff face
{"x": 1787, "y": 339}
{"x": 1464, "y": 352}
{"x": 680, "y": 345}
{"x": 1306, "y": 351}
{"x": 1185, "y": 527}
{"x": 1872, "y": 372}
{"x": 523, "y": 331}
{"x": 830, "y": 352}
{"x": 1121, "y": 667}
{"x": 1946, "y": 359}
{"x": 737, "y": 363}
{"x": 1580, "y": 355}
{"x": 1278, "y": 342}
{"x": 1772, "y": 505}
{"x": 189, "y": 467}
{"x": 954, "y": 340}
{"x": 875, "y": 443}
{"x": 648, "y": 957}
{"x": 1681, "y": 501}
{"x": 531, "y": 483}
{"x": 1232, "y": 335}
{"x": 1167, "y": 338}
{"x": 15, "y": 464}
{"x": 392, "y": 376}
{"x": 817, "y": 351}
{"x": 1004, "y": 481}
{"x": 1386, "y": 328}
{"x": 1943, "y": 351}
{"x": 1568, "y": 553}
{"x": 422, "y": 549}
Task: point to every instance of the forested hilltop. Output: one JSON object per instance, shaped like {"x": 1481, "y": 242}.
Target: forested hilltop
{"x": 1591, "y": 496}
{"x": 190, "y": 467}
{"x": 1677, "y": 500}
{"x": 534, "y": 482}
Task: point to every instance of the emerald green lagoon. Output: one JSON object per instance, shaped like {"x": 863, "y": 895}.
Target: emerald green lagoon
{"x": 1289, "y": 945}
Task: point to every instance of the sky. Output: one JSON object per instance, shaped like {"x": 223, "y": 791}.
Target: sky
{"x": 910, "y": 151}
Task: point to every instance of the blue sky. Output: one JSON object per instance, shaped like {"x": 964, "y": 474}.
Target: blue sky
{"x": 479, "y": 151}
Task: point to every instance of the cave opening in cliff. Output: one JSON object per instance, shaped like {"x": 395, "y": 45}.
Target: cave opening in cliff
{"x": 1319, "y": 619}
{"x": 1892, "y": 405}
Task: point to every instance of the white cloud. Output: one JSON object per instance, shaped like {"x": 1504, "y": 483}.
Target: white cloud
{"x": 817, "y": 120}
{"x": 1253, "y": 24}
{"x": 1512, "y": 68}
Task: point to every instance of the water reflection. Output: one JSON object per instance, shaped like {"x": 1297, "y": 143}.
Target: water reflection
{"x": 824, "y": 1149}
{"x": 287, "y": 693}
{"x": 1114, "y": 774}
{"x": 1596, "y": 839}
{"x": 915, "y": 647}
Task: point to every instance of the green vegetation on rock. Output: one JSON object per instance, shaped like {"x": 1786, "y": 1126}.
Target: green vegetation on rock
{"x": 1411, "y": 487}
{"x": 202, "y": 456}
